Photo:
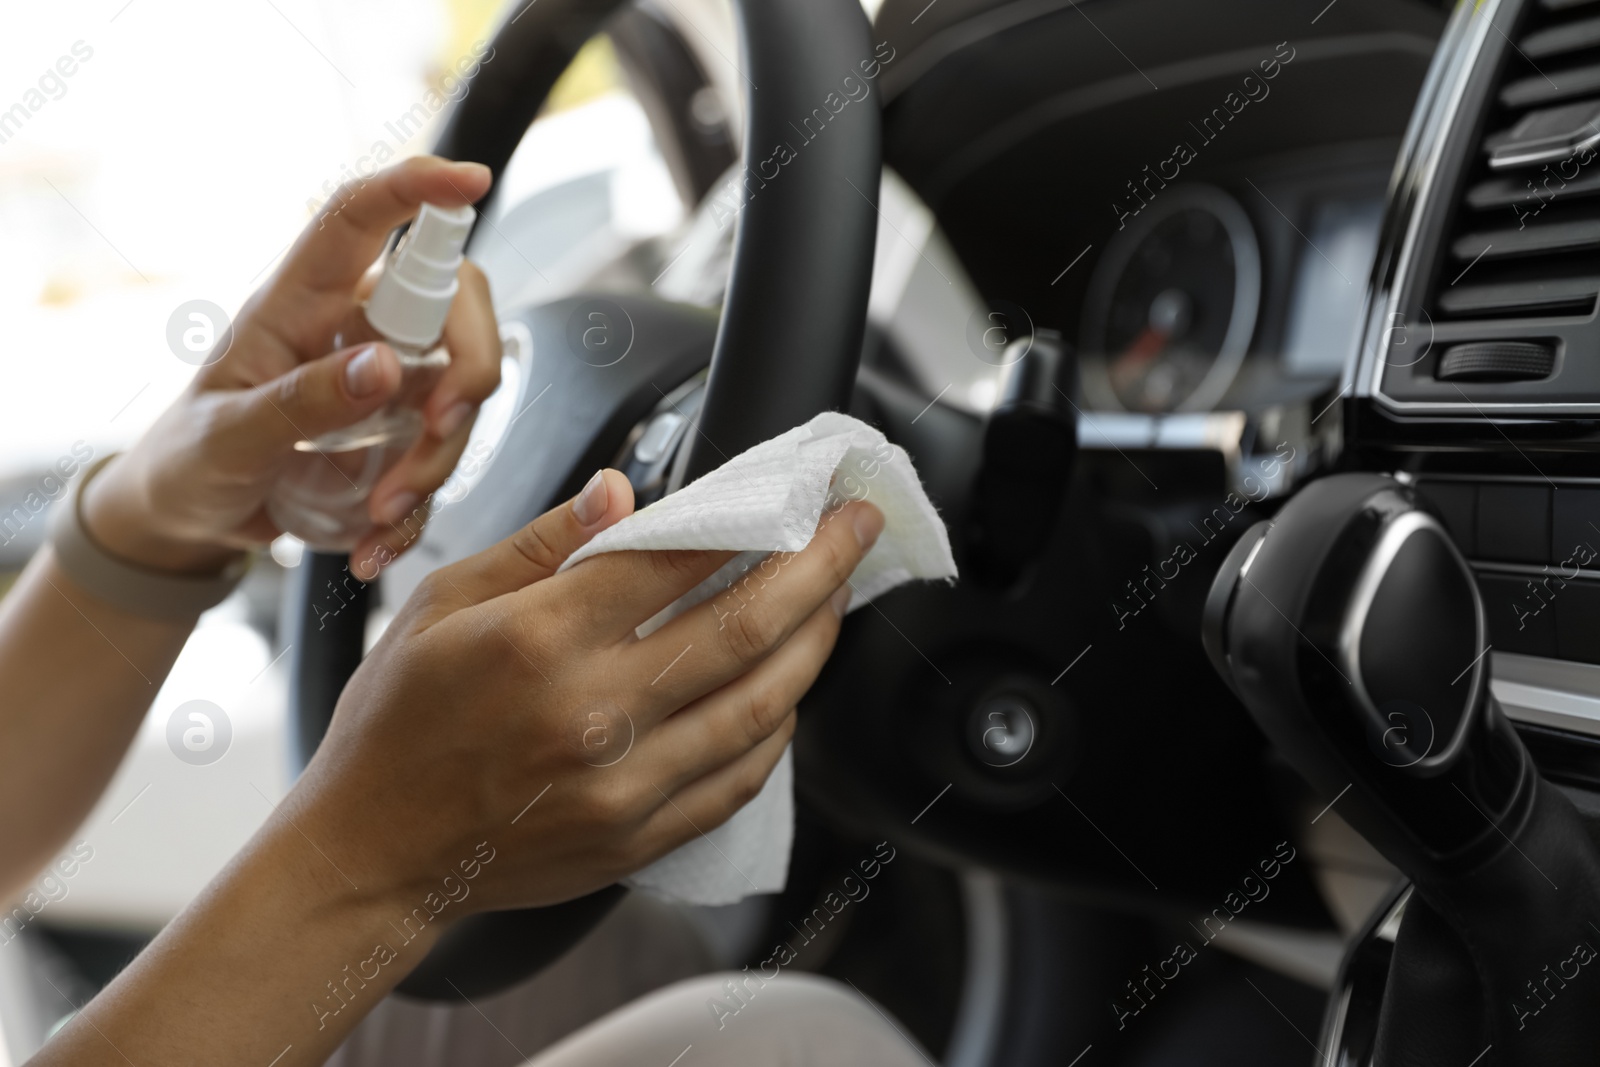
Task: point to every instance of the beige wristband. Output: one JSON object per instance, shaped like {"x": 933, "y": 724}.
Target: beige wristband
{"x": 137, "y": 590}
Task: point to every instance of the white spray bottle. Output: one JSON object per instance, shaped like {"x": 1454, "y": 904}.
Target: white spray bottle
{"x": 322, "y": 496}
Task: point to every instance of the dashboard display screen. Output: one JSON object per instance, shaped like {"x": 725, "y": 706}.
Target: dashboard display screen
{"x": 1330, "y": 287}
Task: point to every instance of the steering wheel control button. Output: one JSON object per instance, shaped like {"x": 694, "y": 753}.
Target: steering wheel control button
{"x": 659, "y": 437}
{"x": 1003, "y": 730}
{"x": 657, "y": 442}
{"x": 599, "y": 332}
{"x": 199, "y": 332}
{"x": 199, "y": 732}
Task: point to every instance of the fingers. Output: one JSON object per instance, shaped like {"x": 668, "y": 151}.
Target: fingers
{"x": 400, "y": 503}
{"x": 325, "y": 394}
{"x": 620, "y": 590}
{"x": 738, "y": 628}
{"x": 712, "y": 800}
{"x": 536, "y": 551}
{"x": 473, "y": 338}
{"x": 724, "y": 725}
{"x": 415, "y": 475}
{"x": 353, "y": 226}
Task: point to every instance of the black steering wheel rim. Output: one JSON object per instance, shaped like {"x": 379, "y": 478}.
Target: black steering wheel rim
{"x": 786, "y": 348}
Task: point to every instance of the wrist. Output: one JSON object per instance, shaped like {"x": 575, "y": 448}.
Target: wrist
{"x": 412, "y": 885}
{"x": 281, "y": 951}
{"x": 377, "y": 931}
{"x": 119, "y": 516}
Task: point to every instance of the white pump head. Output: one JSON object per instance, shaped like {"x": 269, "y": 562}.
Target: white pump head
{"x": 413, "y": 295}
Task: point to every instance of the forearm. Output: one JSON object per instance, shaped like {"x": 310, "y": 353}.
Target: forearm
{"x": 77, "y": 677}
{"x": 274, "y": 963}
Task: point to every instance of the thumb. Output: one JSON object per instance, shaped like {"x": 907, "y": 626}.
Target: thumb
{"x": 325, "y": 394}
{"x": 536, "y": 551}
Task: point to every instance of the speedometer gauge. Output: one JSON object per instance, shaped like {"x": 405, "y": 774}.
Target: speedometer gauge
{"x": 1172, "y": 305}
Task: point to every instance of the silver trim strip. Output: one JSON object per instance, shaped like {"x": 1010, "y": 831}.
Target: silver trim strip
{"x": 976, "y": 1033}
{"x": 1222, "y": 431}
{"x": 1412, "y": 477}
{"x": 1529, "y": 570}
{"x": 1379, "y": 928}
{"x": 1546, "y": 155}
{"x": 1391, "y": 539}
{"x": 1547, "y": 692}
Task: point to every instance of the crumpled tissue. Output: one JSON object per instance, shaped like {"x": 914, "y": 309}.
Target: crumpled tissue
{"x": 770, "y": 499}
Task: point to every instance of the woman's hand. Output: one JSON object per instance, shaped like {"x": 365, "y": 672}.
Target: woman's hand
{"x": 511, "y": 706}
{"x": 508, "y": 742}
{"x": 192, "y": 492}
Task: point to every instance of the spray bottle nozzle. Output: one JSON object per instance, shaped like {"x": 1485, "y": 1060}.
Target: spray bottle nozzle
{"x": 412, "y": 297}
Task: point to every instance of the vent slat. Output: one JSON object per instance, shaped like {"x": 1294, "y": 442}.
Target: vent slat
{"x": 1524, "y": 241}
{"x": 1548, "y": 135}
{"x": 1559, "y": 40}
{"x": 1528, "y": 191}
{"x": 1558, "y": 85}
{"x": 1571, "y": 236}
{"x": 1546, "y": 296}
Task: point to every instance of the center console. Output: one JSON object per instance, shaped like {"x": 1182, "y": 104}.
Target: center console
{"x": 1478, "y": 380}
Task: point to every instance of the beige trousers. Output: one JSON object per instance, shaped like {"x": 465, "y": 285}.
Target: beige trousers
{"x": 795, "y": 1020}
{"x": 648, "y": 959}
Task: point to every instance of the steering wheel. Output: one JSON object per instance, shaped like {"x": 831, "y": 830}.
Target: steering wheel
{"x": 786, "y": 348}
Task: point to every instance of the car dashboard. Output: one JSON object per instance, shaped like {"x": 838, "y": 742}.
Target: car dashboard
{"x": 1232, "y": 156}
{"x": 1193, "y": 198}
{"x": 1356, "y": 236}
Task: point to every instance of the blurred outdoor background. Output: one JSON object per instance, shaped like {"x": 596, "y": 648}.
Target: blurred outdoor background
{"x": 176, "y": 163}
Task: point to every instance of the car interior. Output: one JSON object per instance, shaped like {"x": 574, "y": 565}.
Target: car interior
{"x": 1234, "y": 343}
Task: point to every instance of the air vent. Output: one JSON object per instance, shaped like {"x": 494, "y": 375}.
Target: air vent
{"x": 1525, "y": 240}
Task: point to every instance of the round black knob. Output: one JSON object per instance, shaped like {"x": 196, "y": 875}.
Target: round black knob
{"x": 1002, "y": 730}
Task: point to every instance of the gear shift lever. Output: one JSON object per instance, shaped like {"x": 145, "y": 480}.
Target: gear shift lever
{"x": 1351, "y": 628}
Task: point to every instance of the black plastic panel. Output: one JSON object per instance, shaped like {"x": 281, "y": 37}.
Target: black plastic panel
{"x": 1518, "y": 620}
{"x": 1577, "y": 608}
{"x": 1575, "y": 523}
{"x": 1514, "y": 523}
{"x": 1565, "y": 757}
{"x": 1457, "y": 505}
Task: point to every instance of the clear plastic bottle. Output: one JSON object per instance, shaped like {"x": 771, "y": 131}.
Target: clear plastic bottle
{"x": 322, "y": 497}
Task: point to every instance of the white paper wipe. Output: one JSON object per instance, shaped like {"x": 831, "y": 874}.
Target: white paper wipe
{"x": 769, "y": 499}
